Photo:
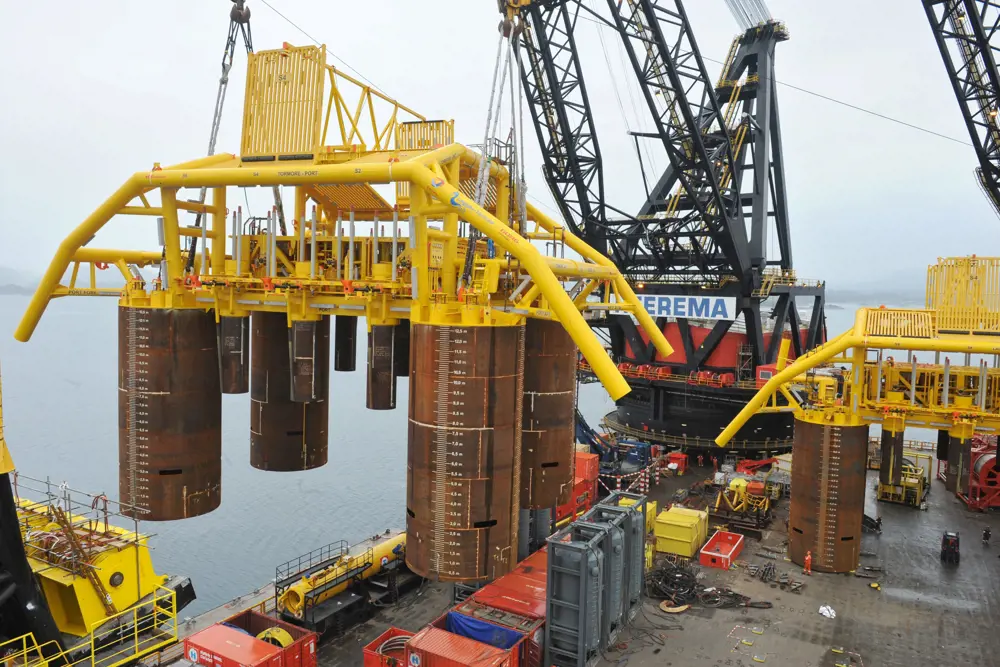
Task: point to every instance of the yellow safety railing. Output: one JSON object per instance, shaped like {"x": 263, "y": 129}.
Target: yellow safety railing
{"x": 964, "y": 292}
{"x": 173, "y": 652}
{"x": 151, "y": 626}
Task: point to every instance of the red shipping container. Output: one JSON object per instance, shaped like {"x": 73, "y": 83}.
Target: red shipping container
{"x": 433, "y": 647}
{"x": 721, "y": 550}
{"x": 375, "y": 659}
{"x": 588, "y": 466}
{"x": 582, "y": 499}
{"x": 680, "y": 459}
{"x": 225, "y": 646}
{"x": 522, "y": 591}
{"x": 222, "y": 646}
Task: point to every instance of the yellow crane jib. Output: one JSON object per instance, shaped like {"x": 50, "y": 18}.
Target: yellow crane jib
{"x": 870, "y": 385}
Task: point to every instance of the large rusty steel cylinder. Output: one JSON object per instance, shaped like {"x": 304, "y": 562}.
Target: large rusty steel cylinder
{"x": 462, "y": 491}
{"x": 309, "y": 347}
{"x": 828, "y": 495}
{"x": 959, "y": 452}
{"x": 890, "y": 469}
{"x": 401, "y": 352}
{"x": 345, "y": 343}
{"x": 285, "y": 435}
{"x": 169, "y": 413}
{"x": 234, "y": 354}
{"x": 942, "y": 445}
{"x": 549, "y": 431}
{"x": 381, "y": 390}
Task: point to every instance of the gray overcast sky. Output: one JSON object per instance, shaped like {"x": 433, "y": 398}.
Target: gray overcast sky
{"x": 97, "y": 90}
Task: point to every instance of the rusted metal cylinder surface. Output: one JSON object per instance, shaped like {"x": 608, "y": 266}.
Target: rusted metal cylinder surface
{"x": 345, "y": 344}
{"x": 549, "y": 429}
{"x": 942, "y": 445}
{"x": 284, "y": 435}
{"x": 381, "y": 390}
{"x": 462, "y": 492}
{"x": 964, "y": 466}
{"x": 828, "y": 495}
{"x": 309, "y": 346}
{"x": 959, "y": 451}
{"x": 234, "y": 354}
{"x": 890, "y": 469}
{"x": 401, "y": 355}
{"x": 169, "y": 413}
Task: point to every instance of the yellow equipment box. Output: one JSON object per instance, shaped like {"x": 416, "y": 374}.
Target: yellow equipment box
{"x": 681, "y": 531}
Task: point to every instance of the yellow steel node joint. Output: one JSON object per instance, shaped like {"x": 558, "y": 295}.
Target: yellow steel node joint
{"x": 897, "y": 392}
{"x": 326, "y": 266}
{"x": 325, "y": 271}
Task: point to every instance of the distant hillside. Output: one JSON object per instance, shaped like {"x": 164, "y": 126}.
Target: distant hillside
{"x": 14, "y": 290}
{"x": 877, "y": 295}
{"x": 14, "y": 282}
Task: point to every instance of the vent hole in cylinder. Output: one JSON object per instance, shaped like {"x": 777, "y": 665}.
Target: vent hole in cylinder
{"x": 410, "y": 513}
{"x": 551, "y": 464}
{"x": 485, "y": 524}
{"x": 171, "y": 471}
{"x": 797, "y": 530}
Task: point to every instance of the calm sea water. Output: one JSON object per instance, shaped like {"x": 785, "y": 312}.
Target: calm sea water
{"x": 60, "y": 409}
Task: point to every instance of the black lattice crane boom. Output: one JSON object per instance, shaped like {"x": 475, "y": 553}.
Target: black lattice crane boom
{"x": 966, "y": 35}
{"x": 703, "y": 229}
{"x": 702, "y": 237}
{"x": 560, "y": 109}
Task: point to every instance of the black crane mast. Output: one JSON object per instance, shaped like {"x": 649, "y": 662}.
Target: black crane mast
{"x": 966, "y": 35}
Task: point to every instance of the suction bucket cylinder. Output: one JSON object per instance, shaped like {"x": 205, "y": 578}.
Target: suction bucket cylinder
{"x": 234, "y": 354}
{"x": 288, "y": 435}
{"x": 345, "y": 344}
{"x": 401, "y": 350}
{"x": 309, "y": 346}
{"x": 381, "y": 392}
{"x": 169, "y": 413}
{"x": 462, "y": 492}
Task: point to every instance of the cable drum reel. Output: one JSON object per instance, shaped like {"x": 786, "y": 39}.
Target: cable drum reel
{"x": 985, "y": 470}
{"x": 277, "y": 636}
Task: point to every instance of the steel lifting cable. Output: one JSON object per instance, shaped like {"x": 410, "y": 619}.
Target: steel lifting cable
{"x": 492, "y": 123}
{"x": 522, "y": 185}
{"x": 489, "y": 119}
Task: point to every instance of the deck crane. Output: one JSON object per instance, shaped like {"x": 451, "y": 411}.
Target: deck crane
{"x": 966, "y": 34}
{"x": 703, "y": 230}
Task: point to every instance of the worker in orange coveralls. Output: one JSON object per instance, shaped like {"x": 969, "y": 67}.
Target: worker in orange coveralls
{"x": 807, "y": 566}
{"x": 701, "y": 460}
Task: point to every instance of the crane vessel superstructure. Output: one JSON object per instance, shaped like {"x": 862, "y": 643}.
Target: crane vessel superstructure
{"x": 697, "y": 248}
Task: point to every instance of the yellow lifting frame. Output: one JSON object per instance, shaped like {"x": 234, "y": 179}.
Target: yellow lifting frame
{"x": 423, "y": 171}
{"x": 851, "y": 347}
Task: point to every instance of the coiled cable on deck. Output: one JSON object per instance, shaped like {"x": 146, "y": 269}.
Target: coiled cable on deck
{"x": 677, "y": 583}
{"x": 394, "y": 645}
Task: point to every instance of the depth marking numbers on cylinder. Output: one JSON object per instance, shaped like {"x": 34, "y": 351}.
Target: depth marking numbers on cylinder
{"x": 829, "y": 496}
{"x": 448, "y": 486}
{"x": 136, "y": 387}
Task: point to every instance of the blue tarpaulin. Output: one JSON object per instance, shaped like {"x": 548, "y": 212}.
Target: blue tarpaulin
{"x": 482, "y": 631}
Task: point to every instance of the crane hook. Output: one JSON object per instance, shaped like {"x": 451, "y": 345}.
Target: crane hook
{"x": 240, "y": 13}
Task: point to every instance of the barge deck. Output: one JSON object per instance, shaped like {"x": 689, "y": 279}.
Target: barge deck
{"x": 926, "y": 613}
